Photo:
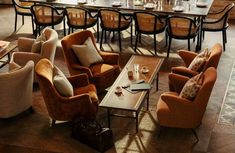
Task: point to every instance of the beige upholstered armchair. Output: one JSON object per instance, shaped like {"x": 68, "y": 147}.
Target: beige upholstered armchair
{"x": 47, "y": 48}
{"x": 16, "y": 90}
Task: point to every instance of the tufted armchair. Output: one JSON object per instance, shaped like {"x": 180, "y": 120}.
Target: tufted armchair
{"x": 16, "y": 90}
{"x": 177, "y": 112}
{"x": 48, "y": 49}
{"x": 83, "y": 103}
{"x": 188, "y": 56}
{"x": 102, "y": 74}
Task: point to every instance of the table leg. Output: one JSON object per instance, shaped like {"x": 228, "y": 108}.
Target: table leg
{"x": 157, "y": 81}
{"x": 108, "y": 113}
{"x": 136, "y": 121}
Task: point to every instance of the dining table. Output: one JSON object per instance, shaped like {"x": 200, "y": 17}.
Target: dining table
{"x": 191, "y": 8}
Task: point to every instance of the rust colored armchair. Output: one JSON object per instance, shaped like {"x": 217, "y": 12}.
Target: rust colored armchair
{"x": 101, "y": 74}
{"x": 174, "y": 111}
{"x": 188, "y": 56}
{"x": 84, "y": 102}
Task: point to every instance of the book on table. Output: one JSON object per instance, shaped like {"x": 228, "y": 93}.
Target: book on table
{"x": 140, "y": 86}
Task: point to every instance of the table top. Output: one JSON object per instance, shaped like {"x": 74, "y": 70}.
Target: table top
{"x": 164, "y": 6}
{"x": 127, "y": 100}
{"x": 7, "y": 50}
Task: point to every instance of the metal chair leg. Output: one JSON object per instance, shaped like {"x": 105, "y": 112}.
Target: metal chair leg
{"x": 155, "y": 44}
{"x": 169, "y": 47}
{"x": 120, "y": 43}
{"x": 189, "y": 44}
{"x": 136, "y": 40}
{"x": 195, "y": 134}
{"x": 15, "y": 21}
{"x": 224, "y": 39}
{"x": 102, "y": 33}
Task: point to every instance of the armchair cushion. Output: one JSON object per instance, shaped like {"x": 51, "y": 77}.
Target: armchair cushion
{"x": 61, "y": 83}
{"x": 192, "y": 87}
{"x": 87, "y": 53}
{"x": 37, "y": 45}
{"x": 199, "y": 60}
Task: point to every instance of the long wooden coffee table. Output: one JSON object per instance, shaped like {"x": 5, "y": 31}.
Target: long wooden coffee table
{"x": 128, "y": 101}
{"x": 6, "y": 52}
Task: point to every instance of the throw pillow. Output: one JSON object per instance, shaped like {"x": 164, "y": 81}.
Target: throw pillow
{"x": 37, "y": 45}
{"x": 192, "y": 87}
{"x": 61, "y": 83}
{"x": 87, "y": 53}
{"x": 199, "y": 60}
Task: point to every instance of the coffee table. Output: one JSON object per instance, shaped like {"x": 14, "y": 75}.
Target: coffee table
{"x": 127, "y": 101}
{"x": 6, "y": 52}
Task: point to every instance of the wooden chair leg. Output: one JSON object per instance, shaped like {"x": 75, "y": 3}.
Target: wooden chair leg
{"x": 131, "y": 33}
{"x": 189, "y": 45}
{"x": 120, "y": 43}
{"x": 166, "y": 37}
{"x": 22, "y": 19}
{"x": 136, "y": 40}
{"x": 16, "y": 21}
{"x": 169, "y": 47}
{"x": 225, "y": 36}
{"x": 64, "y": 27}
{"x": 102, "y": 33}
{"x": 97, "y": 31}
{"x": 224, "y": 39}
{"x": 155, "y": 44}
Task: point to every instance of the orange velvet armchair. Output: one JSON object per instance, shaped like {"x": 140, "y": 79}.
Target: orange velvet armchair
{"x": 102, "y": 74}
{"x": 84, "y": 102}
{"x": 174, "y": 111}
{"x": 188, "y": 56}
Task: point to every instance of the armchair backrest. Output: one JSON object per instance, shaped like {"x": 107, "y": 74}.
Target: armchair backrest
{"x": 202, "y": 98}
{"x": 16, "y": 90}
{"x": 76, "y": 38}
{"x": 48, "y": 49}
{"x": 44, "y": 73}
{"x": 213, "y": 60}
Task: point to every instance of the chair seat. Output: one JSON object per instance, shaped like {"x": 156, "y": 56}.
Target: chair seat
{"x": 90, "y": 89}
{"x": 100, "y": 69}
{"x": 24, "y": 11}
{"x": 47, "y": 19}
{"x": 182, "y": 32}
{"x": 210, "y": 25}
{"x": 80, "y": 21}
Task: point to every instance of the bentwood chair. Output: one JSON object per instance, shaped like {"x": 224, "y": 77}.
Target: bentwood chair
{"x": 179, "y": 27}
{"x": 46, "y": 15}
{"x": 82, "y": 103}
{"x": 218, "y": 21}
{"x": 150, "y": 24}
{"x": 80, "y": 18}
{"x": 101, "y": 74}
{"x": 114, "y": 21}
{"x": 177, "y": 112}
{"x": 23, "y": 9}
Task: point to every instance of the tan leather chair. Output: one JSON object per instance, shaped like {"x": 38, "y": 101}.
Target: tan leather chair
{"x": 103, "y": 74}
{"x": 188, "y": 56}
{"x": 174, "y": 111}
{"x": 48, "y": 49}
{"x": 16, "y": 90}
{"x": 84, "y": 103}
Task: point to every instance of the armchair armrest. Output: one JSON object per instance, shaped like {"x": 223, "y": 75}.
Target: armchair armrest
{"x": 110, "y": 58}
{"x": 187, "y": 56}
{"x": 82, "y": 69}
{"x": 177, "y": 82}
{"x": 25, "y": 44}
{"x": 82, "y": 103}
{"x": 79, "y": 80}
{"x": 21, "y": 58}
{"x": 183, "y": 71}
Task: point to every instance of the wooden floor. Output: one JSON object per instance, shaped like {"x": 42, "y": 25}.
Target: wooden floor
{"x": 31, "y": 133}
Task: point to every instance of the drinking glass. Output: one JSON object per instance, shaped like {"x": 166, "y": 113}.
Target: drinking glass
{"x": 136, "y": 67}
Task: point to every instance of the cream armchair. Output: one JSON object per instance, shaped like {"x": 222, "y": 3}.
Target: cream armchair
{"x": 48, "y": 49}
{"x": 16, "y": 90}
